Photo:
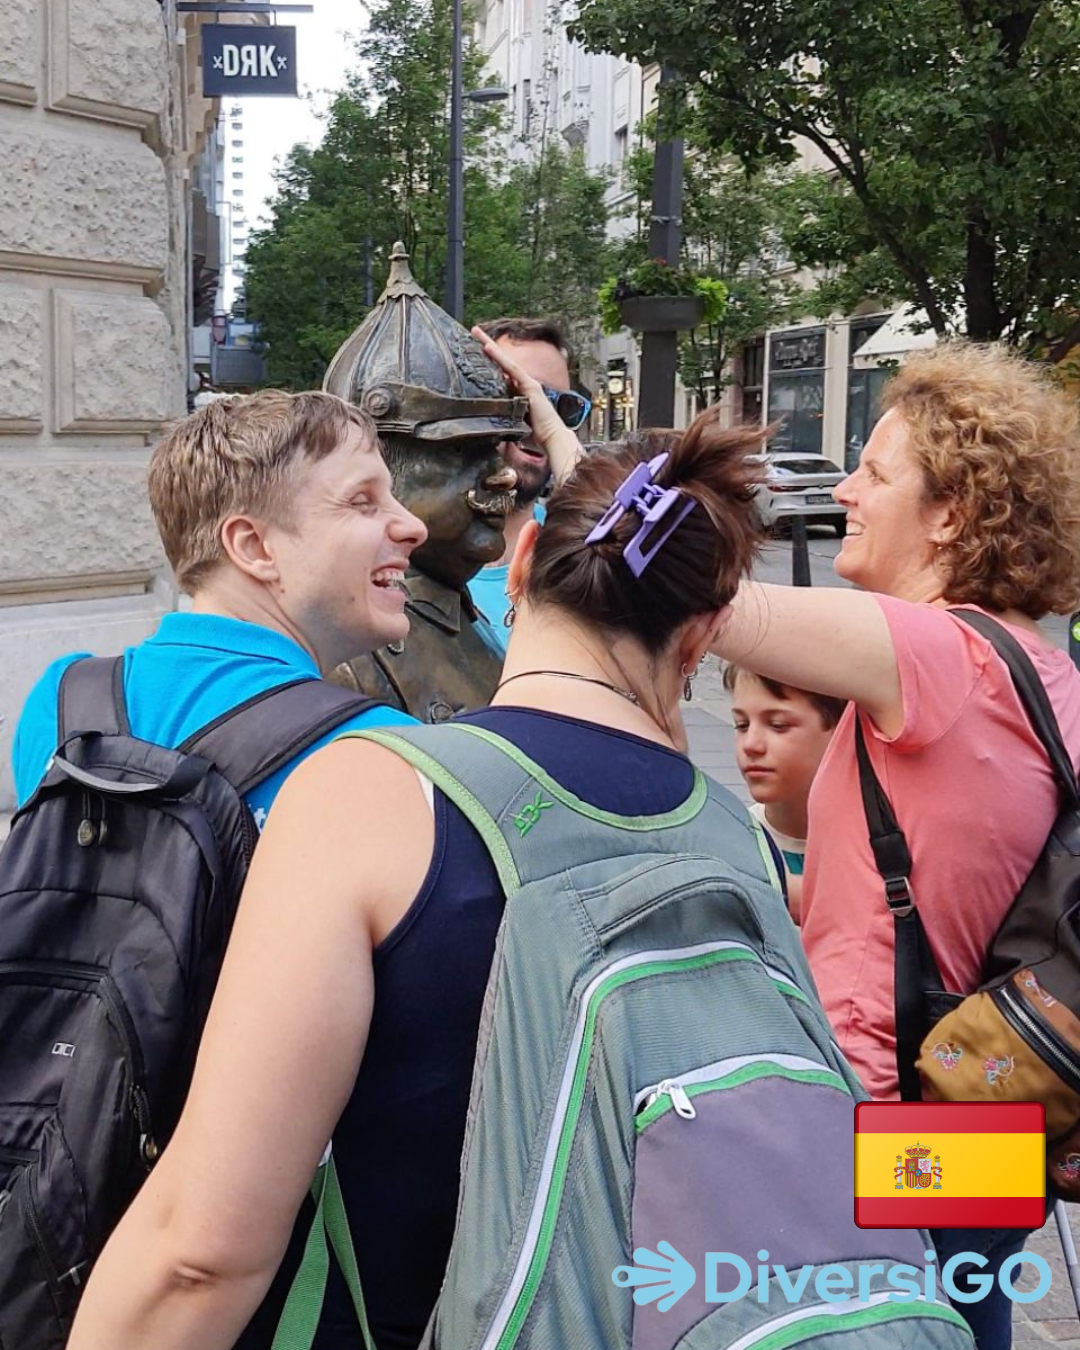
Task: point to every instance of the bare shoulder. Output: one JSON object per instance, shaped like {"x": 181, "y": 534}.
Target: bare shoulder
{"x": 352, "y": 819}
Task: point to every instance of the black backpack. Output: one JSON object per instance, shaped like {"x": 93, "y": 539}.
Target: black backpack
{"x": 118, "y": 886}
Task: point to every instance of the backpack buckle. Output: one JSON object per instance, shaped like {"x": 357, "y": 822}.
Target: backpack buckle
{"x": 899, "y": 897}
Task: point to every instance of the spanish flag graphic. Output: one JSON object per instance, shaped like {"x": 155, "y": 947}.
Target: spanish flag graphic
{"x": 950, "y": 1164}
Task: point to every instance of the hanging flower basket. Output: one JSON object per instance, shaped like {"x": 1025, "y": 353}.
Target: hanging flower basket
{"x": 661, "y": 313}
{"x": 655, "y": 297}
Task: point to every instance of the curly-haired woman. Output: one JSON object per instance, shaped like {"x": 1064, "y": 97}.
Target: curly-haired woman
{"x": 967, "y": 493}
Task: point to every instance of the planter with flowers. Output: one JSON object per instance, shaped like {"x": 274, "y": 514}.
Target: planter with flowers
{"x": 656, "y": 297}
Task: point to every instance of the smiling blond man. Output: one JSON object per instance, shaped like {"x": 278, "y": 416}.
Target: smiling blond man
{"x": 276, "y": 513}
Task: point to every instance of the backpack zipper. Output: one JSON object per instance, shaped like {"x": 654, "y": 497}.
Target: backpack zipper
{"x": 787, "y": 1329}
{"x": 518, "y": 1297}
{"x": 46, "y": 973}
{"x": 1039, "y": 1034}
{"x": 670, "y": 1087}
{"x": 710, "y": 1074}
{"x": 37, "y": 1234}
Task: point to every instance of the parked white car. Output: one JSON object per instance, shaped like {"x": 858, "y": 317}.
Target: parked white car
{"x": 801, "y": 485}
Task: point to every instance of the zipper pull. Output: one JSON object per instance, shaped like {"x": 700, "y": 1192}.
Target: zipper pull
{"x": 148, "y": 1148}
{"x": 684, "y": 1107}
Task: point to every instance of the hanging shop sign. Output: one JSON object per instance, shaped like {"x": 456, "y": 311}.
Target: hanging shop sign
{"x": 246, "y": 61}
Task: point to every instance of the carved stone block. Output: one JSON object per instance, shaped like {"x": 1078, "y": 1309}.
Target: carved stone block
{"x": 76, "y": 524}
{"x": 108, "y": 59}
{"x": 112, "y": 363}
{"x": 20, "y": 51}
{"x": 22, "y": 353}
{"x": 74, "y": 206}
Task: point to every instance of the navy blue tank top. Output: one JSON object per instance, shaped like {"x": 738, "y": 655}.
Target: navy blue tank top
{"x": 398, "y": 1143}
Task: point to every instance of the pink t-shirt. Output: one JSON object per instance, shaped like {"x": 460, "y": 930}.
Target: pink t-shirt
{"x": 973, "y": 792}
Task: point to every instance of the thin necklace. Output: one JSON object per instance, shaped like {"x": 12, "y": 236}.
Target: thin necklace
{"x": 627, "y": 694}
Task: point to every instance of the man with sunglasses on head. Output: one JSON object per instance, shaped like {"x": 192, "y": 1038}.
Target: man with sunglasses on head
{"x": 537, "y": 347}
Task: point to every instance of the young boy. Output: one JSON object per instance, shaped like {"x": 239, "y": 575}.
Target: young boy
{"x": 781, "y": 734}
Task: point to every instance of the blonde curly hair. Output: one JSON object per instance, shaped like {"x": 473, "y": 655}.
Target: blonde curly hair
{"x": 995, "y": 436}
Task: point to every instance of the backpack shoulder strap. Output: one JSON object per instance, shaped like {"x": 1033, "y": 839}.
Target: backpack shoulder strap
{"x": 515, "y": 805}
{"x": 253, "y": 740}
{"x": 91, "y": 698}
{"x": 1032, "y": 695}
{"x": 915, "y": 972}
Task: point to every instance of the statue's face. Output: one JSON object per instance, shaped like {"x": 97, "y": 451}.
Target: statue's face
{"x": 463, "y": 492}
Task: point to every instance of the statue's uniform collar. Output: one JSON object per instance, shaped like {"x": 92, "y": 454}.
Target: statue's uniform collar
{"x": 440, "y": 605}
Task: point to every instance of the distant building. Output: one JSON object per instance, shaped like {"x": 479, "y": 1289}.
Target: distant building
{"x": 109, "y": 246}
{"x": 559, "y": 90}
{"x": 232, "y": 128}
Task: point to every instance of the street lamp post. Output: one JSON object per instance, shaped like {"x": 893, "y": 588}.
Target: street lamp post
{"x": 660, "y": 351}
{"x": 455, "y": 230}
{"x": 454, "y": 298}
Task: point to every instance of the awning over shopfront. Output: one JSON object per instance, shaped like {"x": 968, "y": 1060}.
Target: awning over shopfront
{"x": 895, "y": 338}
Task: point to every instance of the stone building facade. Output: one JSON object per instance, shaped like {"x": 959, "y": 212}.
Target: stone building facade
{"x": 101, "y": 119}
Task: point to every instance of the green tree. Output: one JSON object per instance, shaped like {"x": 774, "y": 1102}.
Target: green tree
{"x": 559, "y": 234}
{"x": 381, "y": 173}
{"x": 952, "y": 177}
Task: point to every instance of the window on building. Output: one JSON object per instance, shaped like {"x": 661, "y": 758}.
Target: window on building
{"x": 238, "y": 126}
{"x": 238, "y": 159}
{"x": 622, "y": 141}
{"x": 238, "y": 174}
{"x": 526, "y": 105}
{"x": 864, "y": 391}
{"x": 797, "y": 389}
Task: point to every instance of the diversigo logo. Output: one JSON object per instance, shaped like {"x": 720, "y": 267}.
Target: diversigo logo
{"x": 664, "y": 1276}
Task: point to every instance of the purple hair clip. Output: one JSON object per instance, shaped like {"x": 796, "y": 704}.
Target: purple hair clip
{"x": 639, "y": 490}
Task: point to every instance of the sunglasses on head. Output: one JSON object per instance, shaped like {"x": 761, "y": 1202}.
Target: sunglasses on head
{"x": 572, "y": 408}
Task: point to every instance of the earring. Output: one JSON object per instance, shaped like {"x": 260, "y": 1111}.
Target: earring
{"x": 688, "y": 682}
{"x": 510, "y": 616}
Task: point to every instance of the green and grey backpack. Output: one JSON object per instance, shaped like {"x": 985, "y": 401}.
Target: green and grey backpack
{"x": 655, "y": 1081}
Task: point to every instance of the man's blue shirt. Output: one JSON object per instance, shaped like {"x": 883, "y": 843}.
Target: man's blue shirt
{"x": 192, "y": 670}
{"x": 488, "y": 591}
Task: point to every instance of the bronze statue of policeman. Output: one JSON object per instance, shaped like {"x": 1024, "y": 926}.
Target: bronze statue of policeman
{"x": 442, "y": 409}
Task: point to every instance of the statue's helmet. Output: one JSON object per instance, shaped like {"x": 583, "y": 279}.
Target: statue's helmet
{"x": 417, "y": 372}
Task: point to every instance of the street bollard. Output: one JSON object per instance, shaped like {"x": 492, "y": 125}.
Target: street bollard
{"x": 1068, "y": 1247}
{"x": 800, "y": 553}
{"x": 1074, "y": 638}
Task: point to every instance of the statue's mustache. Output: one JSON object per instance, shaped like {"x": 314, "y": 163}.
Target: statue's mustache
{"x": 491, "y": 504}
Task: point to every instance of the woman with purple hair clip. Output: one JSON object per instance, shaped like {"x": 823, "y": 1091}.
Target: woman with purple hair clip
{"x": 375, "y": 904}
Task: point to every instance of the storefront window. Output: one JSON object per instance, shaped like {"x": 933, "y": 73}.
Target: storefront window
{"x": 864, "y": 392}
{"x": 797, "y": 389}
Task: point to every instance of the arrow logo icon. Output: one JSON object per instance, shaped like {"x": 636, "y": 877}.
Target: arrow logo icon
{"x": 665, "y": 1276}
